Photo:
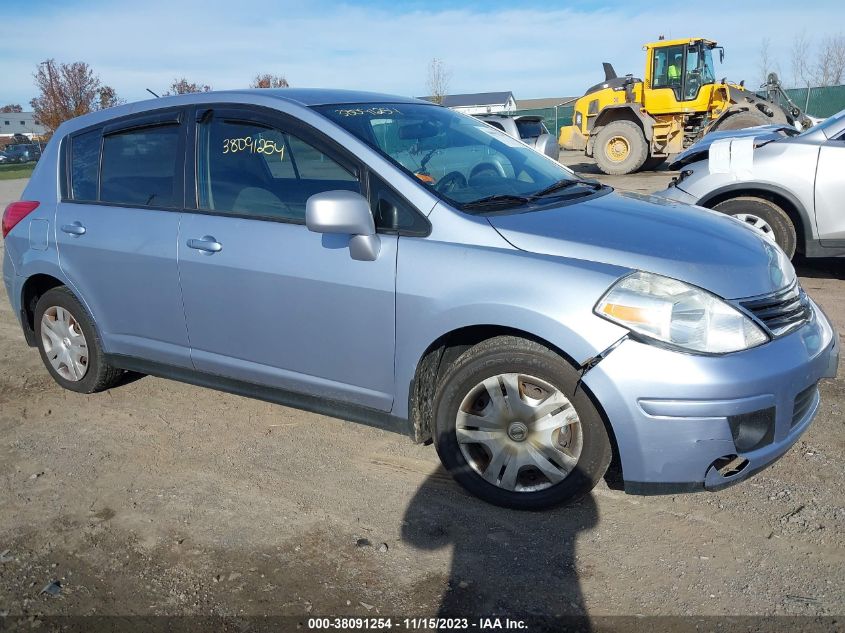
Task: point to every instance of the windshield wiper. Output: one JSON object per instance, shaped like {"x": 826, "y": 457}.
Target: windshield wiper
{"x": 497, "y": 200}
{"x": 566, "y": 183}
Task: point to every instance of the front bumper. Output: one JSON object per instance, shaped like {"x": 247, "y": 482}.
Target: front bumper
{"x": 672, "y": 413}
{"x": 672, "y": 192}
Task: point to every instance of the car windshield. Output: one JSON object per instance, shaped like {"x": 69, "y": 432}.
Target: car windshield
{"x": 462, "y": 159}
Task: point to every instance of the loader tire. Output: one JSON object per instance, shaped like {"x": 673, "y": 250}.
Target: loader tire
{"x": 620, "y": 148}
{"x": 742, "y": 120}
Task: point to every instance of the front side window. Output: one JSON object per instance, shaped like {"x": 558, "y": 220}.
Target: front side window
{"x": 668, "y": 68}
{"x": 84, "y": 165}
{"x": 140, "y": 167}
{"x": 464, "y": 160}
{"x": 249, "y": 168}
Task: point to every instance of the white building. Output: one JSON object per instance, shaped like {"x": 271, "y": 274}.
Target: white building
{"x": 480, "y": 102}
{"x": 12, "y": 123}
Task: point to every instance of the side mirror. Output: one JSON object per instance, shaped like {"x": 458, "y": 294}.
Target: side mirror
{"x": 346, "y": 213}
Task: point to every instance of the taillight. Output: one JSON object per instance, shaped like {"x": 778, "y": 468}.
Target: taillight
{"x": 16, "y": 212}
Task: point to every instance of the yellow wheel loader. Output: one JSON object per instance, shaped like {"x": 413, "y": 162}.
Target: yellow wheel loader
{"x": 630, "y": 124}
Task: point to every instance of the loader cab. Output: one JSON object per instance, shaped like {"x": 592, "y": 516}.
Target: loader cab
{"x": 679, "y": 75}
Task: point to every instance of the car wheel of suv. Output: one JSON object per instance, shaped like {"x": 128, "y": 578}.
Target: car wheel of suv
{"x": 69, "y": 345}
{"x": 765, "y": 217}
{"x": 513, "y": 427}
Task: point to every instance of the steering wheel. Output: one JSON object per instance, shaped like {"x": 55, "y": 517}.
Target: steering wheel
{"x": 450, "y": 182}
{"x": 693, "y": 84}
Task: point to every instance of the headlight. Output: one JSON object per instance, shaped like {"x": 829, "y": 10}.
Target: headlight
{"x": 678, "y": 314}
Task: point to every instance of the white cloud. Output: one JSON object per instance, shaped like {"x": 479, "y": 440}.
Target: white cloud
{"x": 534, "y": 52}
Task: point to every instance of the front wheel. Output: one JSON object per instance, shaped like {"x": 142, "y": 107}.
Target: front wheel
{"x": 620, "y": 148}
{"x": 514, "y": 427}
{"x": 768, "y": 219}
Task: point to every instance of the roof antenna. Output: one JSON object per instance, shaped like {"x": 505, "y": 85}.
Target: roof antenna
{"x": 152, "y": 93}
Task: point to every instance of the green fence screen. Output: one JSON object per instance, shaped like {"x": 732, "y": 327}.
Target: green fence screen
{"x": 554, "y": 118}
{"x": 819, "y": 102}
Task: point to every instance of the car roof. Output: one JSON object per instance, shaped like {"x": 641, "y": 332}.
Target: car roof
{"x": 301, "y": 96}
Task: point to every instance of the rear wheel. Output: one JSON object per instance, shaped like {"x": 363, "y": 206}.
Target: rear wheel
{"x": 513, "y": 427}
{"x": 620, "y": 148}
{"x": 69, "y": 345}
{"x": 765, "y": 217}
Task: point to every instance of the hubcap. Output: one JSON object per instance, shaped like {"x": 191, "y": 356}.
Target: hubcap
{"x": 64, "y": 343}
{"x": 759, "y": 224}
{"x": 618, "y": 149}
{"x": 519, "y": 433}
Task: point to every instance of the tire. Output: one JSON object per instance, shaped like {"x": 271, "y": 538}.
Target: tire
{"x": 742, "y": 120}
{"x": 631, "y": 146}
{"x": 91, "y": 375}
{"x": 515, "y": 453}
{"x": 653, "y": 163}
{"x": 764, "y": 216}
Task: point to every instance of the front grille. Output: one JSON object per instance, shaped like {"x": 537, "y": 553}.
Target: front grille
{"x": 803, "y": 402}
{"x": 782, "y": 311}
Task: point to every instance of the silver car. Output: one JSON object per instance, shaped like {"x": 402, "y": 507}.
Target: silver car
{"x": 788, "y": 187}
{"x": 394, "y": 262}
{"x": 528, "y": 128}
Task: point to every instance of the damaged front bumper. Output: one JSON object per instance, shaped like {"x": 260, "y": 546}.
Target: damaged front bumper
{"x": 685, "y": 422}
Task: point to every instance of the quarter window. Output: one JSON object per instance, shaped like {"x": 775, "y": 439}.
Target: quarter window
{"x": 84, "y": 164}
{"x": 259, "y": 170}
{"x": 140, "y": 167}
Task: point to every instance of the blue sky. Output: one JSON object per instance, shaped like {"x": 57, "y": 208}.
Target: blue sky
{"x": 534, "y": 49}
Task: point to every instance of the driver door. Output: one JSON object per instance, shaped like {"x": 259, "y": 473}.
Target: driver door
{"x": 267, "y": 301}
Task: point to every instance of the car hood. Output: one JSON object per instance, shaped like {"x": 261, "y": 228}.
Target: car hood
{"x": 761, "y": 133}
{"x": 699, "y": 246}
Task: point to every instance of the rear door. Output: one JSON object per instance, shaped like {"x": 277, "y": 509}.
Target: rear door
{"x": 116, "y": 232}
{"x": 267, "y": 301}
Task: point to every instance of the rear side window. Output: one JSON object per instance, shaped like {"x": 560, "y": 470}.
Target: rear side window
{"x": 140, "y": 166}
{"x": 84, "y": 165}
{"x": 530, "y": 129}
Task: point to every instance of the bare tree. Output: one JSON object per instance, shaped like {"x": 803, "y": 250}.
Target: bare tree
{"x": 183, "y": 86}
{"x": 438, "y": 80}
{"x": 802, "y": 75}
{"x": 767, "y": 63}
{"x": 830, "y": 67}
{"x": 65, "y": 91}
{"x": 11, "y": 107}
{"x": 107, "y": 98}
{"x": 269, "y": 80}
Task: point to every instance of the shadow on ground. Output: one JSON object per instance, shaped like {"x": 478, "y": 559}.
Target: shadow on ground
{"x": 820, "y": 268}
{"x": 519, "y": 564}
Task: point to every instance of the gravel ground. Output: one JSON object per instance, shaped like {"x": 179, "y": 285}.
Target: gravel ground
{"x": 158, "y": 498}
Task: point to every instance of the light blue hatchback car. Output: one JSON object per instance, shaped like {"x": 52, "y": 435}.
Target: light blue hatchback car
{"x": 390, "y": 261}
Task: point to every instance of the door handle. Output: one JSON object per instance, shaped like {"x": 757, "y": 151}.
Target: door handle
{"x": 207, "y": 244}
{"x": 76, "y": 229}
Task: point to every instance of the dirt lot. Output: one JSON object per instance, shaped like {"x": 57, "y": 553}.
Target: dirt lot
{"x": 160, "y": 498}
